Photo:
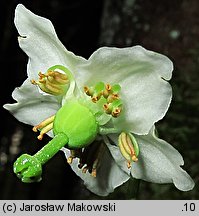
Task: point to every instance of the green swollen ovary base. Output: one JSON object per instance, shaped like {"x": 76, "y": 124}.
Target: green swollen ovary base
{"x": 78, "y": 123}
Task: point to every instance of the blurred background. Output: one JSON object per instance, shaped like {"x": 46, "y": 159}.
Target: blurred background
{"x": 168, "y": 27}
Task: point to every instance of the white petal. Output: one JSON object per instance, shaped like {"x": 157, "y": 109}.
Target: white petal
{"x": 159, "y": 162}
{"x": 39, "y": 41}
{"x": 32, "y": 107}
{"x": 142, "y": 75}
{"x": 109, "y": 175}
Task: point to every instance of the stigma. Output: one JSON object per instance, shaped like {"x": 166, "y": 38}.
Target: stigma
{"x": 129, "y": 148}
{"x": 52, "y": 82}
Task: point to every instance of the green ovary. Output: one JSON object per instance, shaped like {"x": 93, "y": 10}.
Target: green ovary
{"x": 77, "y": 123}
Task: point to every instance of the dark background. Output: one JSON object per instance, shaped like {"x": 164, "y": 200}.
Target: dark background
{"x": 168, "y": 27}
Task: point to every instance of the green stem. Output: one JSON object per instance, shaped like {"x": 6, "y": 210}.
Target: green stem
{"x": 49, "y": 150}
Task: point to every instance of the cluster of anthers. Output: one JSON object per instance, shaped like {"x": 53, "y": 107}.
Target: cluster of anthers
{"x": 52, "y": 82}
{"x": 113, "y": 104}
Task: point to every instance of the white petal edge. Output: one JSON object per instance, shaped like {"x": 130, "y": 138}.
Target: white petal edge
{"x": 32, "y": 107}
{"x": 39, "y": 41}
{"x": 109, "y": 175}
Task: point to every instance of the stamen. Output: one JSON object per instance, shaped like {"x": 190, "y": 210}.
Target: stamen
{"x": 74, "y": 153}
{"x": 107, "y": 91}
{"x": 113, "y": 105}
{"x": 44, "y": 123}
{"x": 45, "y": 130}
{"x": 108, "y": 87}
{"x": 33, "y": 82}
{"x": 56, "y": 89}
{"x": 128, "y": 164}
{"x": 107, "y": 108}
{"x": 41, "y": 76}
{"x": 128, "y": 147}
{"x": 88, "y": 91}
{"x": 45, "y": 126}
{"x": 52, "y": 82}
{"x": 96, "y": 163}
{"x": 94, "y": 172}
{"x": 95, "y": 98}
{"x": 112, "y": 97}
{"x": 116, "y": 112}
{"x": 57, "y": 77}
{"x": 70, "y": 159}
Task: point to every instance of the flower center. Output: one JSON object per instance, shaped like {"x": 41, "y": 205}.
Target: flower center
{"x": 55, "y": 81}
{"x": 113, "y": 103}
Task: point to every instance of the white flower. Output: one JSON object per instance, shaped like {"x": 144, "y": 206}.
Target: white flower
{"x": 145, "y": 95}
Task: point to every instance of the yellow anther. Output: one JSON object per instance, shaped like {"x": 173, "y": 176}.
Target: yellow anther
{"x": 44, "y": 123}
{"x": 95, "y": 99}
{"x": 87, "y": 90}
{"x": 74, "y": 153}
{"x": 56, "y": 89}
{"x": 112, "y": 97}
{"x": 107, "y": 91}
{"x": 108, "y": 87}
{"x": 128, "y": 164}
{"x": 107, "y": 108}
{"x": 33, "y": 82}
{"x": 94, "y": 172}
{"x": 45, "y": 130}
{"x": 134, "y": 158}
{"x": 56, "y": 77}
{"x": 116, "y": 112}
{"x": 70, "y": 159}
